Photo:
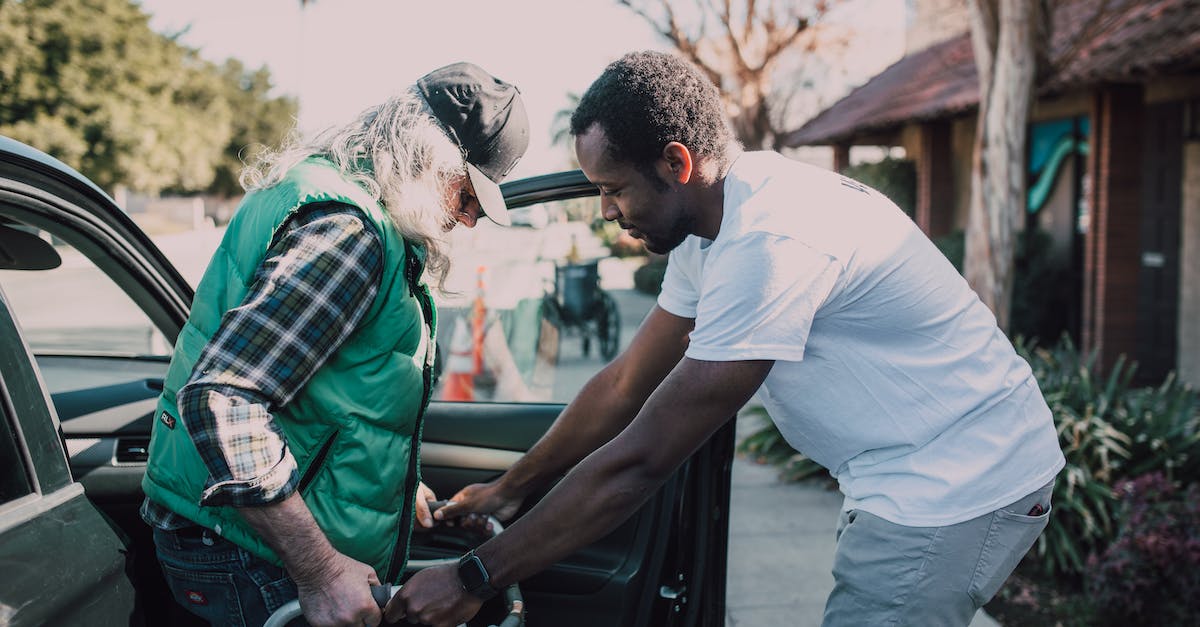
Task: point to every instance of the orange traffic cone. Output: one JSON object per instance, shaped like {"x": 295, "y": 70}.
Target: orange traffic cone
{"x": 459, "y": 373}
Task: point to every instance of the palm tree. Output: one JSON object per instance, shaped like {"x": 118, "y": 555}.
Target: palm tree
{"x": 560, "y": 127}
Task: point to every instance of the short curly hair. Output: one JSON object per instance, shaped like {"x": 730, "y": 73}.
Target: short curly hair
{"x": 645, "y": 100}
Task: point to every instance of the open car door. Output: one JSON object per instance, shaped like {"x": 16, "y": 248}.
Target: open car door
{"x": 664, "y": 566}
{"x": 101, "y": 326}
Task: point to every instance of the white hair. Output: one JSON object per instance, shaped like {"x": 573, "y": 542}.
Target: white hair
{"x": 400, "y": 154}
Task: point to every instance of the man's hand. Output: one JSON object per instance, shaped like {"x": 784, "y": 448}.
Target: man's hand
{"x": 337, "y": 593}
{"x": 335, "y": 590}
{"x": 424, "y": 496}
{"x": 434, "y": 596}
{"x": 481, "y": 498}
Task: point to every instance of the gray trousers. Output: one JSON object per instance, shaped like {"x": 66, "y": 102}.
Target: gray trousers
{"x": 889, "y": 574}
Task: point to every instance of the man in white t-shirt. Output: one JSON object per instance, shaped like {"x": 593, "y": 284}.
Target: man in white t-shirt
{"x": 869, "y": 350}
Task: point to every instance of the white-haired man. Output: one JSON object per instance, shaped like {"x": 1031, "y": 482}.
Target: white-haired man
{"x": 283, "y": 461}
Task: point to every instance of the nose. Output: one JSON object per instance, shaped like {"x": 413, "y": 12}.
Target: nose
{"x": 609, "y": 209}
{"x": 468, "y": 218}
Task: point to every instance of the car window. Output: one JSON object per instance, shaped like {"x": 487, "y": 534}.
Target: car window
{"x": 14, "y": 477}
{"x": 76, "y": 308}
{"x": 532, "y": 311}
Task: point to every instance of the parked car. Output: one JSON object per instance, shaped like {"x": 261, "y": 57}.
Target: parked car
{"x": 89, "y": 310}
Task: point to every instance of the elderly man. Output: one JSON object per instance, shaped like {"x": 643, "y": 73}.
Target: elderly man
{"x": 284, "y": 461}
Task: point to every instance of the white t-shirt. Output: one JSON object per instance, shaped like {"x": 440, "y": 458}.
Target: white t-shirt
{"x": 889, "y": 371}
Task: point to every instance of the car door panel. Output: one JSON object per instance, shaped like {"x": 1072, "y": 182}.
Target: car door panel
{"x": 613, "y": 581}
{"x": 46, "y": 579}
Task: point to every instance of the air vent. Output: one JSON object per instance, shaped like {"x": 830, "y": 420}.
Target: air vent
{"x": 133, "y": 450}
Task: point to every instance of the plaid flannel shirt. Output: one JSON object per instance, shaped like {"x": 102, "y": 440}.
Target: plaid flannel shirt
{"x": 316, "y": 283}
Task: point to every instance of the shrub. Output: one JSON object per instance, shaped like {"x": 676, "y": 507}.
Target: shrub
{"x": 619, "y": 242}
{"x": 766, "y": 445}
{"x": 894, "y": 178}
{"x": 1150, "y": 575}
{"x": 649, "y": 277}
{"x": 1040, "y": 305}
{"x": 1109, "y": 432}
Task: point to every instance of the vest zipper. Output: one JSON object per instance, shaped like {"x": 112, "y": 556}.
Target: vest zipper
{"x": 317, "y": 460}
{"x": 410, "y": 489}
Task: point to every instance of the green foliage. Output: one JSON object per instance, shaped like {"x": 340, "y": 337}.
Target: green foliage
{"x": 619, "y": 242}
{"x": 1109, "y": 432}
{"x": 766, "y": 445}
{"x": 262, "y": 121}
{"x": 1039, "y": 303}
{"x": 1150, "y": 574}
{"x": 894, "y": 178}
{"x": 91, "y": 83}
{"x": 953, "y": 246}
{"x": 648, "y": 278}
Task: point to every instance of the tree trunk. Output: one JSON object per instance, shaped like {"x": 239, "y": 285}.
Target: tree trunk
{"x": 1002, "y": 32}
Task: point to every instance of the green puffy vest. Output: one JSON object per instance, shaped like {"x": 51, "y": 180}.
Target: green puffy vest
{"x": 355, "y": 427}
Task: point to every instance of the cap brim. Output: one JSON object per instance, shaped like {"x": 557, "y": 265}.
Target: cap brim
{"x": 491, "y": 199}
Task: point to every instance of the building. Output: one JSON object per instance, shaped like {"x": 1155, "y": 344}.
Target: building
{"x": 1113, "y": 156}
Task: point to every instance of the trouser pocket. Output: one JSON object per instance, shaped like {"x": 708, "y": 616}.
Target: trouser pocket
{"x": 1011, "y": 534}
{"x": 211, "y": 595}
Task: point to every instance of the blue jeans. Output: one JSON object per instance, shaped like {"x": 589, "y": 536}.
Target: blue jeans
{"x": 219, "y": 581}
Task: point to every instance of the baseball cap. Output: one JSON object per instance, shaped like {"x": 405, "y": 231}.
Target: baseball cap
{"x": 486, "y": 116}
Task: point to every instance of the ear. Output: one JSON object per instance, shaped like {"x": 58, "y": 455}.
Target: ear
{"x": 676, "y": 163}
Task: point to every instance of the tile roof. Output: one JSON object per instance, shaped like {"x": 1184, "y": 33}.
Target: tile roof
{"x": 1093, "y": 41}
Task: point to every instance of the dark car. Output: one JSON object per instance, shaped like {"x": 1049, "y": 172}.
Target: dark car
{"x": 89, "y": 311}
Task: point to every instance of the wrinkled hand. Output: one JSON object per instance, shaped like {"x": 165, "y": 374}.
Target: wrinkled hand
{"x": 424, "y": 496}
{"x": 433, "y": 596}
{"x": 337, "y": 593}
{"x": 480, "y": 498}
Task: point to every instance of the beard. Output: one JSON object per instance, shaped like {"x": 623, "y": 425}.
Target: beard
{"x": 672, "y": 238}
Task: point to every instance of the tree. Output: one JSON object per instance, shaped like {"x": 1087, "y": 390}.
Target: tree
{"x": 741, "y": 49}
{"x": 1004, "y": 35}
{"x": 90, "y": 82}
{"x": 560, "y": 128}
{"x": 261, "y": 121}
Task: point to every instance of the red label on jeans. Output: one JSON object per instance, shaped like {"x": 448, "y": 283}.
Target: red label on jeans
{"x": 195, "y": 598}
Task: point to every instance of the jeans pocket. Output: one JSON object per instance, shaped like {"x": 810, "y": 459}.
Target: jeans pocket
{"x": 1009, "y": 537}
{"x": 211, "y": 595}
{"x": 272, "y": 582}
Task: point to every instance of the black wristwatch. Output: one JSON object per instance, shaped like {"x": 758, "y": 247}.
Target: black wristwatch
{"x": 474, "y": 577}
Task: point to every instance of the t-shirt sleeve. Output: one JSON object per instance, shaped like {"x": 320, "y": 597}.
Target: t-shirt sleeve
{"x": 758, "y": 299}
{"x": 680, "y": 289}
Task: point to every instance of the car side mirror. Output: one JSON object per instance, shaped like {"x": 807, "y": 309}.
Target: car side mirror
{"x": 22, "y": 250}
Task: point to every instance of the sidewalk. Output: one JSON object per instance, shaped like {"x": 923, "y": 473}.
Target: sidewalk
{"x": 781, "y": 544}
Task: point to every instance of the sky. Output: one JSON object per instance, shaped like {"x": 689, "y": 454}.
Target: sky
{"x": 339, "y": 57}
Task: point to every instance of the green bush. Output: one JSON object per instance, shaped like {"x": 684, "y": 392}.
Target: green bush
{"x": 649, "y": 277}
{"x": 1109, "y": 432}
{"x": 894, "y": 178}
{"x": 766, "y": 445}
{"x": 617, "y": 240}
{"x": 1040, "y": 305}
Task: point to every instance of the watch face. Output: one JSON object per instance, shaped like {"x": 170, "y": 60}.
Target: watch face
{"x": 474, "y": 577}
{"x": 472, "y": 572}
